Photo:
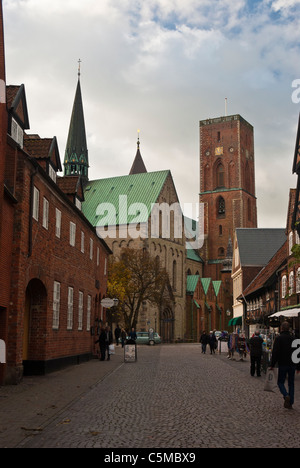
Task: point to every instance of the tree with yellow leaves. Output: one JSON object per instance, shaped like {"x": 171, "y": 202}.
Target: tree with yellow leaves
{"x": 135, "y": 278}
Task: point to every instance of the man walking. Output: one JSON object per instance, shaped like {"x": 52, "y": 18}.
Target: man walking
{"x": 256, "y": 350}
{"x": 282, "y": 354}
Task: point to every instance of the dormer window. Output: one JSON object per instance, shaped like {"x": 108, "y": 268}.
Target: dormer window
{"x": 52, "y": 173}
{"x": 78, "y": 203}
{"x": 17, "y": 133}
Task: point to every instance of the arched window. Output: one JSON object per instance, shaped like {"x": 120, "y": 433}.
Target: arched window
{"x": 221, "y": 207}
{"x": 174, "y": 275}
{"x": 291, "y": 283}
{"x": 283, "y": 287}
{"x": 220, "y": 176}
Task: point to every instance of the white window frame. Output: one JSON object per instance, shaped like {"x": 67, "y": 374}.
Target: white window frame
{"x": 283, "y": 287}
{"x": 98, "y": 256}
{"x": 56, "y": 305}
{"x": 36, "y": 203}
{"x": 89, "y": 313}
{"x": 70, "y": 308}
{"x": 57, "y": 223}
{"x": 72, "y": 234}
{"x": 45, "y": 213}
{"x": 80, "y": 310}
{"x": 82, "y": 241}
{"x": 17, "y": 132}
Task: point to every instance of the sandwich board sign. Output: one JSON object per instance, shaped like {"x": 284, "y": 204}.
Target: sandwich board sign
{"x": 2, "y": 352}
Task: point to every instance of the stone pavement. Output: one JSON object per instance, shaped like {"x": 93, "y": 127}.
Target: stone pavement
{"x": 172, "y": 397}
{"x": 27, "y": 408}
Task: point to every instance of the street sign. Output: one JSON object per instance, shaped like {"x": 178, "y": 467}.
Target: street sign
{"x": 107, "y": 303}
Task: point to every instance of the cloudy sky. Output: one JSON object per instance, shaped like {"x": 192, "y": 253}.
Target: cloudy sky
{"x": 161, "y": 66}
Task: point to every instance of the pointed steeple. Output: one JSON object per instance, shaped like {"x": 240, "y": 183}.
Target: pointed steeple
{"x": 138, "y": 166}
{"x": 76, "y": 155}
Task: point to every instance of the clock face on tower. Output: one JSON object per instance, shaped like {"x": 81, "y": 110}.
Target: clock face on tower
{"x": 219, "y": 151}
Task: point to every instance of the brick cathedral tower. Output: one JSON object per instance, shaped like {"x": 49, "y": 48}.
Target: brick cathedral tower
{"x": 227, "y": 183}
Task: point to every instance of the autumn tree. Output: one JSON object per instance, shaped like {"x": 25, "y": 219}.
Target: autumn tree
{"x": 135, "y": 278}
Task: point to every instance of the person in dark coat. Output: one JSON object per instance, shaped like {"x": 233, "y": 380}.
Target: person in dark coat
{"x": 117, "y": 334}
{"x": 101, "y": 342}
{"x": 212, "y": 342}
{"x": 108, "y": 341}
{"x": 256, "y": 351}
{"x": 282, "y": 355}
{"x": 204, "y": 341}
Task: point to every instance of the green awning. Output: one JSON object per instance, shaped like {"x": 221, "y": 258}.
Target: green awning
{"x": 235, "y": 321}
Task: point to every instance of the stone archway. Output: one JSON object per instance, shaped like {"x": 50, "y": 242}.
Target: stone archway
{"x": 34, "y": 325}
{"x": 167, "y": 325}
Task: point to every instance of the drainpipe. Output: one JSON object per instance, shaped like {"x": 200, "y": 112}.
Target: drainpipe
{"x": 31, "y": 212}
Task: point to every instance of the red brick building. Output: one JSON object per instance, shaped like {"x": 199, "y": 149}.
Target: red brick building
{"x": 53, "y": 271}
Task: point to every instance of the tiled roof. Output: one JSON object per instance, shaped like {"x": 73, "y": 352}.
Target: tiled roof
{"x": 257, "y": 246}
{"x": 69, "y": 184}
{"x": 38, "y": 148}
{"x": 264, "y": 277}
{"x": 138, "y": 188}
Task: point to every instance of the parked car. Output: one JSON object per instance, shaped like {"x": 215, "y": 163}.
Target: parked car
{"x": 143, "y": 338}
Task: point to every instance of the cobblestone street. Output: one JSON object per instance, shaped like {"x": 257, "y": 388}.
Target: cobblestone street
{"x": 173, "y": 397}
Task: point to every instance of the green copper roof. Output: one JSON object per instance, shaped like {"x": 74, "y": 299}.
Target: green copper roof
{"x": 193, "y": 255}
{"x": 137, "y": 188}
{"x": 205, "y": 283}
{"x": 217, "y": 286}
{"x": 192, "y": 281}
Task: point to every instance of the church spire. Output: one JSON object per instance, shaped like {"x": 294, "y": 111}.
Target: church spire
{"x": 138, "y": 166}
{"x": 76, "y": 155}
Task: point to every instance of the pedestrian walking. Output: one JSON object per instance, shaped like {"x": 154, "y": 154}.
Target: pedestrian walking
{"x": 101, "y": 342}
{"x": 204, "y": 341}
{"x": 256, "y": 351}
{"x": 123, "y": 337}
{"x": 212, "y": 342}
{"x": 117, "y": 334}
{"x": 108, "y": 341}
{"x": 282, "y": 355}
